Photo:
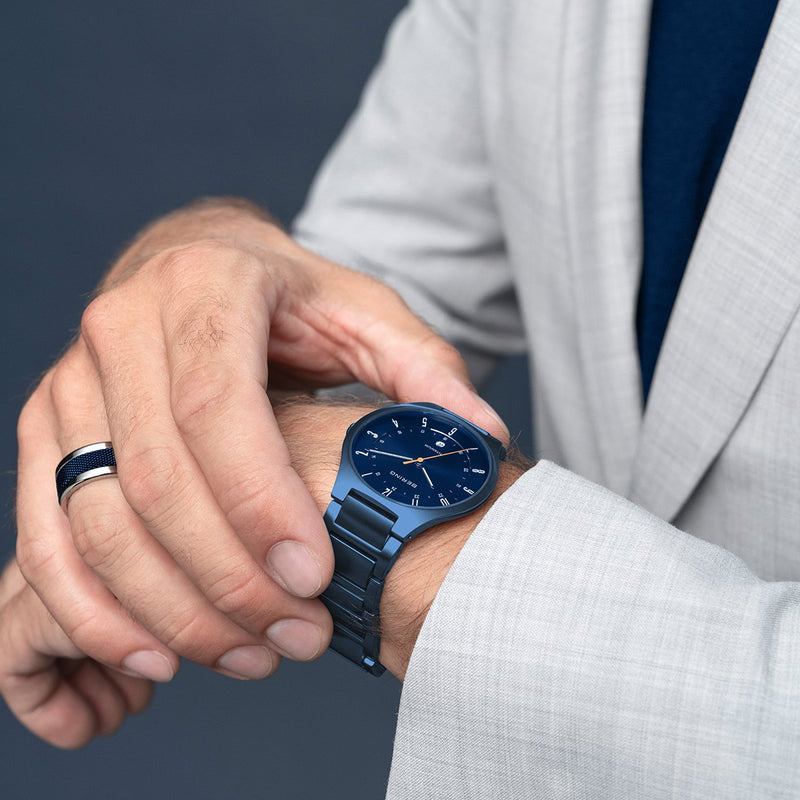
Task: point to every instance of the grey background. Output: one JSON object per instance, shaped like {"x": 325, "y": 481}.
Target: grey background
{"x": 114, "y": 113}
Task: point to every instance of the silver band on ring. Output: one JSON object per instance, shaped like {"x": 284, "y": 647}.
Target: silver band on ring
{"x": 86, "y": 464}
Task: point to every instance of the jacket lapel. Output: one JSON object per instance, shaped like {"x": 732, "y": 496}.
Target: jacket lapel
{"x": 741, "y": 288}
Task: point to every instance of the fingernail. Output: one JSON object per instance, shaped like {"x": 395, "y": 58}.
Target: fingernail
{"x": 296, "y": 568}
{"x": 296, "y": 638}
{"x": 150, "y": 664}
{"x": 250, "y": 663}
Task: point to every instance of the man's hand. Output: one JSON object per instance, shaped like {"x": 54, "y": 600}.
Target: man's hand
{"x": 47, "y": 682}
{"x": 209, "y": 545}
{"x": 67, "y": 697}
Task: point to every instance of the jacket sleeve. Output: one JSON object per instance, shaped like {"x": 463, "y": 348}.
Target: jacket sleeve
{"x": 581, "y": 647}
{"x": 406, "y": 194}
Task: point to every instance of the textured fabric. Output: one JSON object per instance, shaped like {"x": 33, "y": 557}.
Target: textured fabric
{"x": 586, "y": 645}
{"x": 637, "y": 663}
{"x": 701, "y": 58}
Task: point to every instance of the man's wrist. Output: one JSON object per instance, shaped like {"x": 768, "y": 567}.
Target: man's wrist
{"x": 418, "y": 574}
{"x": 314, "y": 433}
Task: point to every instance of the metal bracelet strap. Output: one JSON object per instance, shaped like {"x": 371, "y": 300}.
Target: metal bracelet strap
{"x": 364, "y": 548}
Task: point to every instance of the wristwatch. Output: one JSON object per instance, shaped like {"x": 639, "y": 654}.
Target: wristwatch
{"x": 404, "y": 468}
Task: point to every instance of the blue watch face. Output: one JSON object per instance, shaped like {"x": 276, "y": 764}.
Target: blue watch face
{"x": 421, "y": 458}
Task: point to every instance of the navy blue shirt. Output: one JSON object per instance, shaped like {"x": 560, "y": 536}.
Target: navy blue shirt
{"x": 701, "y": 59}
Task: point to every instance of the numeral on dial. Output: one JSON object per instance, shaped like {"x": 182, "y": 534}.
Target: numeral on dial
{"x": 420, "y": 459}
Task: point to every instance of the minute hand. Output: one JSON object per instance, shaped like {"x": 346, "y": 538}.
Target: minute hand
{"x": 393, "y": 455}
{"x": 439, "y": 455}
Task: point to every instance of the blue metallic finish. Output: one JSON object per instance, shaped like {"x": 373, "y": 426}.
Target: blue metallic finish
{"x": 383, "y": 497}
{"x": 85, "y": 462}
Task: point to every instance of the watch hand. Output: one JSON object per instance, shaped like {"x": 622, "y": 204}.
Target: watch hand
{"x": 439, "y": 455}
{"x": 393, "y": 455}
{"x": 425, "y": 473}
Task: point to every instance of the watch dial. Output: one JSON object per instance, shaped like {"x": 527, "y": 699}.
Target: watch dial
{"x": 421, "y": 458}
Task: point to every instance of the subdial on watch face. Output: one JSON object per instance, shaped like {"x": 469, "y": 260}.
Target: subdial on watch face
{"x": 420, "y": 458}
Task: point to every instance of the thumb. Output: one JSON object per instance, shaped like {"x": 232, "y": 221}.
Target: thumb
{"x": 402, "y": 357}
{"x": 436, "y": 372}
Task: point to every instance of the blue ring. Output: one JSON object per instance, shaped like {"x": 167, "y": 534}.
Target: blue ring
{"x": 84, "y": 464}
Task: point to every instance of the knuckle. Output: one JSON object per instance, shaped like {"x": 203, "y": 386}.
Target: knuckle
{"x": 186, "y": 632}
{"x": 439, "y": 350}
{"x": 30, "y": 428}
{"x": 86, "y": 630}
{"x": 239, "y": 593}
{"x": 66, "y": 381}
{"x": 33, "y": 554}
{"x": 183, "y": 265}
{"x": 199, "y": 392}
{"x": 207, "y": 264}
{"x": 246, "y": 503}
{"x": 100, "y": 537}
{"x": 96, "y": 318}
{"x": 194, "y": 253}
{"x": 153, "y": 480}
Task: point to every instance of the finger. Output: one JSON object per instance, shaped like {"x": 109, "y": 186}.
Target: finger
{"x": 218, "y": 397}
{"x": 11, "y": 582}
{"x": 30, "y": 680}
{"x": 78, "y": 600}
{"x": 137, "y": 693}
{"x": 165, "y": 487}
{"x": 146, "y": 580}
{"x": 102, "y": 695}
{"x": 123, "y": 558}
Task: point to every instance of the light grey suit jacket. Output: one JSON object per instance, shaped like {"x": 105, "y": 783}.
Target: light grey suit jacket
{"x": 627, "y": 624}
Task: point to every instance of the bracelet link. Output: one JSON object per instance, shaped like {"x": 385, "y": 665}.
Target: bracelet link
{"x": 364, "y": 548}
